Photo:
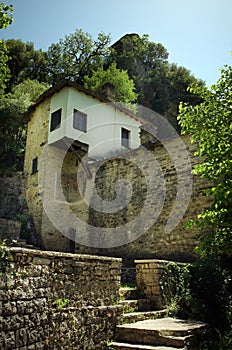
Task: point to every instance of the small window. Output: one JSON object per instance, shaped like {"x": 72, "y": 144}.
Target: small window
{"x": 79, "y": 120}
{"x": 125, "y": 137}
{"x": 55, "y": 119}
{"x": 34, "y": 165}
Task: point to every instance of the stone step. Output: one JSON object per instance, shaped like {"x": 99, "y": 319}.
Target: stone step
{"x": 128, "y": 293}
{"x": 132, "y": 317}
{"x": 127, "y": 346}
{"x": 130, "y": 306}
{"x": 23, "y": 243}
{"x": 167, "y": 332}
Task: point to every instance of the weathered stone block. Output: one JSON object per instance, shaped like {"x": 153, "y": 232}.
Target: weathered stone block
{"x": 40, "y": 261}
{"x": 8, "y": 340}
{"x": 8, "y": 308}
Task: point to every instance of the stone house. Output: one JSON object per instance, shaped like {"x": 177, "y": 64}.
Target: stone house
{"x": 75, "y": 127}
{"x": 78, "y": 146}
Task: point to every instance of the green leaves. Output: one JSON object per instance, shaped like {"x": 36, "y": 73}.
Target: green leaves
{"x": 210, "y": 125}
{"x": 25, "y": 62}
{"x": 13, "y": 121}
{"x": 159, "y": 85}
{"x": 124, "y": 87}
{"x": 5, "y": 19}
{"x": 75, "y": 56}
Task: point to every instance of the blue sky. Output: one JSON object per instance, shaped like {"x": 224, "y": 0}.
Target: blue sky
{"x": 196, "y": 33}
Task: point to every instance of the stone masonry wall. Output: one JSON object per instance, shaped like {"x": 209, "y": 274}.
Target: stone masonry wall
{"x": 155, "y": 242}
{"x": 12, "y": 195}
{"x": 15, "y": 221}
{"x": 36, "y": 138}
{"x": 12, "y": 205}
{"x": 58, "y": 300}
{"x": 150, "y": 275}
{"x": 9, "y": 230}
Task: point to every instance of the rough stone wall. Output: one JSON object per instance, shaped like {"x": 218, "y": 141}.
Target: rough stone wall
{"x": 9, "y": 230}
{"x": 61, "y": 190}
{"x": 13, "y": 207}
{"x": 58, "y": 159}
{"x": 58, "y": 300}
{"x": 36, "y": 138}
{"x": 12, "y": 195}
{"x": 155, "y": 243}
{"x": 150, "y": 275}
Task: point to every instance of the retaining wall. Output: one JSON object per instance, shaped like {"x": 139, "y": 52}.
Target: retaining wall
{"x": 151, "y": 276}
{"x": 156, "y": 242}
{"x": 52, "y": 300}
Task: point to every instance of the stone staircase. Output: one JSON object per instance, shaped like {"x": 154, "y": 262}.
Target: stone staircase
{"x": 144, "y": 328}
{"x": 137, "y": 308}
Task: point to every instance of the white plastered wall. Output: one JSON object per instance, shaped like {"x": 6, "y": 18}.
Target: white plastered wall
{"x": 104, "y": 123}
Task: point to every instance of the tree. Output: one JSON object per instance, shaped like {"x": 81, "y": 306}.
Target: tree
{"x": 5, "y": 20}
{"x": 124, "y": 87}
{"x": 177, "y": 82}
{"x": 76, "y": 56}
{"x": 13, "y": 116}
{"x": 5, "y": 15}
{"x": 210, "y": 124}
{"x": 138, "y": 56}
{"x": 160, "y": 85}
{"x": 25, "y": 63}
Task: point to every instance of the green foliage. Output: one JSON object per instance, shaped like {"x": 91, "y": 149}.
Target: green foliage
{"x": 175, "y": 288}
{"x": 5, "y": 15}
{"x": 211, "y": 124}
{"x": 4, "y": 70}
{"x": 138, "y": 55}
{"x": 201, "y": 291}
{"x": 25, "y": 63}
{"x": 5, "y": 20}
{"x": 212, "y": 301}
{"x": 124, "y": 87}
{"x": 160, "y": 85}
{"x": 225, "y": 342}
{"x": 76, "y": 56}
{"x": 61, "y": 303}
{"x": 13, "y": 116}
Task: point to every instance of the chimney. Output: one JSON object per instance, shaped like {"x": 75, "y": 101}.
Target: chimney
{"x": 108, "y": 91}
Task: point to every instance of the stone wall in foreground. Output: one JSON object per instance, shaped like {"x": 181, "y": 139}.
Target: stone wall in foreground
{"x": 54, "y": 300}
{"x": 151, "y": 277}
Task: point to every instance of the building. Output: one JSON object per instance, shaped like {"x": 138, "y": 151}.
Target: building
{"x": 70, "y": 126}
{"x": 75, "y": 155}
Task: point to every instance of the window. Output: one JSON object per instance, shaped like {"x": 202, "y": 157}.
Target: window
{"x": 79, "y": 120}
{"x": 125, "y": 137}
{"x": 34, "y": 165}
{"x": 55, "y": 119}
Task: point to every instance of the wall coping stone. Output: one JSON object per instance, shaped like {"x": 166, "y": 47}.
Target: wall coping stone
{"x": 156, "y": 261}
{"x": 53, "y": 255}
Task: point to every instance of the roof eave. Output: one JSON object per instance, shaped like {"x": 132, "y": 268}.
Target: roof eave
{"x": 54, "y": 89}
